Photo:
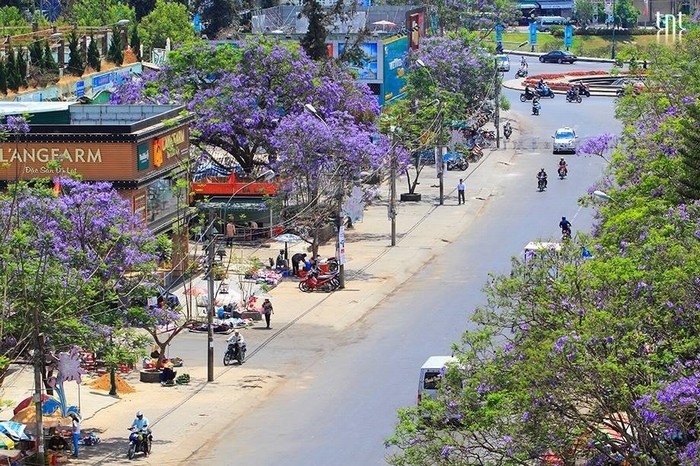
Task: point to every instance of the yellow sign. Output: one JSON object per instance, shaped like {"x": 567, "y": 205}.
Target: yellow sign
{"x": 158, "y": 146}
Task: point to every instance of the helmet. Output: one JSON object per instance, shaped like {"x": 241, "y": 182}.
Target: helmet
{"x": 561, "y": 158}
{"x": 139, "y": 413}
{"x": 563, "y": 218}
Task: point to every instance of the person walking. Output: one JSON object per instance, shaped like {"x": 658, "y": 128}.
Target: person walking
{"x": 460, "y": 192}
{"x": 75, "y": 425}
{"x": 267, "y": 311}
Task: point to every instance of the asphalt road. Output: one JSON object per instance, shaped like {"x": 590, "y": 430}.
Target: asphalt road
{"x": 339, "y": 405}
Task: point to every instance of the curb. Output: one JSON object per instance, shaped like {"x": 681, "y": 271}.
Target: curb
{"x": 537, "y": 55}
{"x": 516, "y": 85}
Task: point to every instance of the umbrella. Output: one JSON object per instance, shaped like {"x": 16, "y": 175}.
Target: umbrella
{"x": 48, "y": 408}
{"x": 6, "y": 442}
{"x": 384, "y": 23}
{"x": 14, "y": 430}
{"x": 194, "y": 291}
{"x": 28, "y": 416}
{"x": 287, "y": 238}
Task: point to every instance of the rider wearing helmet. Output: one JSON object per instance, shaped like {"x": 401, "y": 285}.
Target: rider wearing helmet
{"x": 542, "y": 175}
{"x": 565, "y": 226}
{"x": 562, "y": 166}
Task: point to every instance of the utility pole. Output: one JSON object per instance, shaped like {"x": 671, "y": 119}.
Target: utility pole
{"x": 211, "y": 251}
{"x": 440, "y": 159}
{"x": 38, "y": 366}
{"x": 497, "y": 103}
{"x": 340, "y": 239}
{"x": 392, "y": 195}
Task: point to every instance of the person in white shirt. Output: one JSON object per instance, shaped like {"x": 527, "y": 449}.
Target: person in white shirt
{"x": 460, "y": 192}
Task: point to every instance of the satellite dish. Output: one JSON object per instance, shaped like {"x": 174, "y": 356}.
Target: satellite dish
{"x": 51, "y": 9}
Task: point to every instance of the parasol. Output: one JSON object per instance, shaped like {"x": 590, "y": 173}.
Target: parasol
{"x": 14, "y": 430}
{"x": 384, "y": 23}
{"x": 28, "y": 416}
{"x": 30, "y": 400}
{"x": 287, "y": 238}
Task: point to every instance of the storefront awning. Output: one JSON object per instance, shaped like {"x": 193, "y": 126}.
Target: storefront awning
{"x": 557, "y": 5}
{"x": 240, "y": 209}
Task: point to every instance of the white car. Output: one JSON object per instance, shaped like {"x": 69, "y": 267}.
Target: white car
{"x": 564, "y": 140}
{"x": 502, "y": 63}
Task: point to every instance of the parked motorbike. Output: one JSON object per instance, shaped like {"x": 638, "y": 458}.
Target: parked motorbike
{"x": 573, "y": 97}
{"x": 235, "y": 352}
{"x": 521, "y": 73}
{"x": 541, "y": 184}
{"x": 139, "y": 441}
{"x": 507, "y": 130}
{"x": 459, "y": 163}
{"x": 332, "y": 264}
{"x": 325, "y": 283}
{"x": 562, "y": 172}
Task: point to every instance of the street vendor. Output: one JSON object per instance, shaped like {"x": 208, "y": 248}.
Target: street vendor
{"x": 57, "y": 442}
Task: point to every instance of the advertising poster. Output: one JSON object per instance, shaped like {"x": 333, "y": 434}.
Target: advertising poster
{"x": 416, "y": 28}
{"x": 395, "y": 51}
{"x": 368, "y": 70}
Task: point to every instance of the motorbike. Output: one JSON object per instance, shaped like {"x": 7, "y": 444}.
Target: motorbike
{"x": 565, "y": 234}
{"x": 139, "y": 441}
{"x": 459, "y": 163}
{"x": 582, "y": 89}
{"x": 562, "y": 172}
{"x": 521, "y": 73}
{"x": 536, "y": 108}
{"x": 527, "y": 96}
{"x": 332, "y": 264}
{"x": 573, "y": 97}
{"x": 325, "y": 283}
{"x": 541, "y": 184}
{"x": 235, "y": 352}
{"x": 507, "y": 130}
{"x": 544, "y": 92}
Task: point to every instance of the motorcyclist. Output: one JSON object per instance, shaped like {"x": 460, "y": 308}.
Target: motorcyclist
{"x": 572, "y": 93}
{"x": 529, "y": 93}
{"x": 236, "y": 341}
{"x": 523, "y": 63}
{"x": 536, "y": 106}
{"x": 563, "y": 166}
{"x": 565, "y": 226}
{"x": 507, "y": 130}
{"x": 142, "y": 425}
{"x": 542, "y": 176}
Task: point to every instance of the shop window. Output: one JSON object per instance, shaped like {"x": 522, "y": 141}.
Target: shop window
{"x": 162, "y": 198}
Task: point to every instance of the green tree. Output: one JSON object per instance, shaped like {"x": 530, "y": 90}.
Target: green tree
{"x": 13, "y": 78}
{"x": 36, "y": 53}
{"x": 21, "y": 66}
{"x": 626, "y": 14}
{"x": 142, "y": 7}
{"x": 169, "y": 20}
{"x": 217, "y": 15}
{"x": 100, "y": 13}
{"x": 314, "y": 41}
{"x": 93, "y": 55}
{"x": 135, "y": 42}
{"x": 584, "y": 12}
{"x": 48, "y": 63}
{"x": 690, "y": 152}
{"x": 115, "y": 53}
{"x": 12, "y": 17}
{"x": 3, "y": 77}
{"x": 76, "y": 63}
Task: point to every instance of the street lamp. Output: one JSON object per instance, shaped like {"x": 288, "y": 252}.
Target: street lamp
{"x": 439, "y": 160}
{"x": 612, "y": 52}
{"x": 211, "y": 235}
{"x": 392, "y": 186}
{"x": 340, "y": 238}
{"x": 602, "y": 195}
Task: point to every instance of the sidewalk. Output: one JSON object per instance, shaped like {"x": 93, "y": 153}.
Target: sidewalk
{"x": 186, "y": 417}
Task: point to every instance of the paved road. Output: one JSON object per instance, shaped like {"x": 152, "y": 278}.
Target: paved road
{"x": 339, "y": 405}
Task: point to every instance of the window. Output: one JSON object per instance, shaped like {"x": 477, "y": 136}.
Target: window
{"x": 431, "y": 380}
{"x": 161, "y": 198}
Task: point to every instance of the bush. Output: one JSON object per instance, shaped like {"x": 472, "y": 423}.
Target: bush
{"x": 557, "y": 31}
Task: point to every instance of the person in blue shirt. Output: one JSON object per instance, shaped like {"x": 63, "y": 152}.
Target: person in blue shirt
{"x": 141, "y": 422}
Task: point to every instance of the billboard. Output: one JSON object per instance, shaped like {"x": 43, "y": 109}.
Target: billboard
{"x": 368, "y": 69}
{"x": 395, "y": 51}
{"x": 416, "y": 26}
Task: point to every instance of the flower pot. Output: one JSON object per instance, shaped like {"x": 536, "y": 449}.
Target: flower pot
{"x": 410, "y": 197}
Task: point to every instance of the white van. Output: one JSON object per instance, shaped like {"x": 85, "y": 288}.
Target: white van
{"x": 431, "y": 373}
{"x": 545, "y": 23}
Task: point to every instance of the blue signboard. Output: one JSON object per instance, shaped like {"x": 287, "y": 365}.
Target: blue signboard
{"x": 533, "y": 33}
{"x": 499, "y": 32}
{"x": 568, "y": 36}
{"x": 101, "y": 80}
{"x": 395, "y": 51}
{"x": 80, "y": 88}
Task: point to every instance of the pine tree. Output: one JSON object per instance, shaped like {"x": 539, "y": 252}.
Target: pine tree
{"x": 13, "y": 80}
{"x": 93, "y": 55}
{"x": 36, "y": 53}
{"x": 689, "y": 186}
{"x": 135, "y": 43}
{"x": 48, "y": 64}
{"x": 76, "y": 64}
{"x": 22, "y": 66}
{"x": 3, "y": 77}
{"x": 115, "y": 54}
{"x": 314, "y": 41}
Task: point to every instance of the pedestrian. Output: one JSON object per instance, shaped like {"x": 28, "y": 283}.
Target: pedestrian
{"x": 230, "y": 232}
{"x": 75, "y": 424}
{"x": 267, "y": 311}
{"x": 460, "y": 192}
{"x": 296, "y": 259}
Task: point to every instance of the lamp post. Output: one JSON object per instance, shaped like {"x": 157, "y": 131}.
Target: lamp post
{"x": 392, "y": 187}
{"x": 497, "y": 103}
{"x": 612, "y": 52}
{"x": 212, "y": 235}
{"x": 602, "y": 195}
{"x": 340, "y": 238}
{"x": 439, "y": 160}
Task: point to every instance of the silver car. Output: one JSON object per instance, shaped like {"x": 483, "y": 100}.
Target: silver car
{"x": 564, "y": 140}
